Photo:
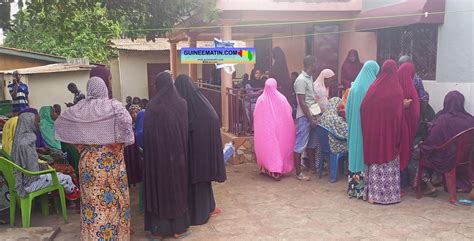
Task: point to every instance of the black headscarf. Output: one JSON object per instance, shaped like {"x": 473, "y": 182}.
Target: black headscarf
{"x": 280, "y": 73}
{"x": 165, "y": 151}
{"x": 206, "y": 161}
{"x": 255, "y": 83}
{"x": 103, "y": 73}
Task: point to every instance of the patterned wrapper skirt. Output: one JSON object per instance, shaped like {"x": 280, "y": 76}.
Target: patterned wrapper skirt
{"x": 383, "y": 182}
{"x": 105, "y": 207}
{"x": 356, "y": 185}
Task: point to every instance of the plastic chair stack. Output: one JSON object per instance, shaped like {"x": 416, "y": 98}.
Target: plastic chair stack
{"x": 323, "y": 136}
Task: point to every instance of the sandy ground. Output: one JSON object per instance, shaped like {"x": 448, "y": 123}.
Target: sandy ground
{"x": 258, "y": 208}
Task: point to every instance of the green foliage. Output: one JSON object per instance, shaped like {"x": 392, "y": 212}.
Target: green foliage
{"x": 84, "y": 28}
{"x": 65, "y": 28}
{"x": 153, "y": 18}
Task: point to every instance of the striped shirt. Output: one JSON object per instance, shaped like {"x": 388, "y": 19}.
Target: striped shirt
{"x": 20, "y": 102}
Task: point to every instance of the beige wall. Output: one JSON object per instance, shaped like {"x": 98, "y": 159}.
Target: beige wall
{"x": 271, "y": 5}
{"x": 294, "y": 49}
{"x": 114, "y": 69}
{"x": 51, "y": 88}
{"x": 133, "y": 71}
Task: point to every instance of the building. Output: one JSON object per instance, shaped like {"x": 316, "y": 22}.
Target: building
{"x": 139, "y": 61}
{"x": 11, "y": 58}
{"x": 48, "y": 83}
{"x": 440, "y": 41}
{"x": 437, "y": 33}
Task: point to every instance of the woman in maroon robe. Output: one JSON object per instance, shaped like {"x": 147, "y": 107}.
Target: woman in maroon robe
{"x": 165, "y": 175}
{"x": 450, "y": 121}
{"x": 381, "y": 116}
{"x": 411, "y": 118}
{"x": 350, "y": 68}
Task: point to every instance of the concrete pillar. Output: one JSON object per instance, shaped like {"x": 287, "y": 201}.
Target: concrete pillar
{"x": 174, "y": 58}
{"x": 192, "y": 40}
{"x": 226, "y": 81}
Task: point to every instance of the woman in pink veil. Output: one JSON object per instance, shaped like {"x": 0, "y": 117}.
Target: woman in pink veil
{"x": 274, "y": 132}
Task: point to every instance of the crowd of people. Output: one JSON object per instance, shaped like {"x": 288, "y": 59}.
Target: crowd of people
{"x": 383, "y": 122}
{"x": 171, "y": 146}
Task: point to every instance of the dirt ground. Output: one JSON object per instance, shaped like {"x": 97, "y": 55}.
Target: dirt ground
{"x": 257, "y": 208}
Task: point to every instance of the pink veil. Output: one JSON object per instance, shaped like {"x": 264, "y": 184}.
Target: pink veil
{"x": 274, "y": 130}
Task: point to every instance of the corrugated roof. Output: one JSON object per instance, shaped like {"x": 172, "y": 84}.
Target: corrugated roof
{"x": 31, "y": 54}
{"x": 159, "y": 44}
{"x": 50, "y": 68}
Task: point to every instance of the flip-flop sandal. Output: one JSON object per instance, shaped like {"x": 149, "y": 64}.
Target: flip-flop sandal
{"x": 183, "y": 235}
{"x": 465, "y": 202}
{"x": 216, "y": 212}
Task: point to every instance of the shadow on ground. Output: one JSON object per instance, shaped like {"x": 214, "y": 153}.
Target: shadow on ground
{"x": 258, "y": 208}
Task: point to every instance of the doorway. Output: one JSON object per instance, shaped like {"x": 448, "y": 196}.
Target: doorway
{"x": 152, "y": 71}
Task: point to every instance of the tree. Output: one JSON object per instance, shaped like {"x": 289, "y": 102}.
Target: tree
{"x": 84, "y": 28}
{"x": 154, "y": 18}
{"x": 65, "y": 28}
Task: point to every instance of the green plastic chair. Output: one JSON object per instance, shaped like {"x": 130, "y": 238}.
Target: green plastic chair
{"x": 7, "y": 168}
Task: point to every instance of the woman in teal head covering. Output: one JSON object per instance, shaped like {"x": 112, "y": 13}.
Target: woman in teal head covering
{"x": 359, "y": 88}
{"x": 56, "y": 149}
{"x": 47, "y": 127}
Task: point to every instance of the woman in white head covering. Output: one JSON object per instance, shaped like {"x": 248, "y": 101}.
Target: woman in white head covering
{"x": 321, "y": 92}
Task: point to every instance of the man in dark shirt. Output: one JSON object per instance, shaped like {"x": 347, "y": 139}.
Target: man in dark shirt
{"x": 78, "y": 96}
{"x": 19, "y": 93}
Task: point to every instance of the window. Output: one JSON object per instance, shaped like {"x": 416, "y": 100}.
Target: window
{"x": 419, "y": 41}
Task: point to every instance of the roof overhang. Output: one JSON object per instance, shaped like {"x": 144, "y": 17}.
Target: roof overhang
{"x": 50, "y": 68}
{"x": 31, "y": 55}
{"x": 248, "y": 25}
{"x": 402, "y": 14}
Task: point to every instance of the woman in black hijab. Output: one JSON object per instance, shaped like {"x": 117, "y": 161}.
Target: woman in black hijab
{"x": 206, "y": 161}
{"x": 165, "y": 178}
{"x": 280, "y": 73}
